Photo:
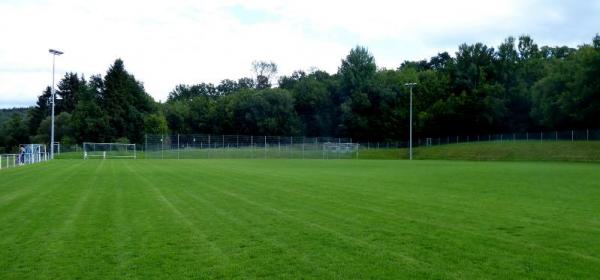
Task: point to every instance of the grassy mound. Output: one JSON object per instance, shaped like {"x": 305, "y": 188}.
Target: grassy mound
{"x": 579, "y": 151}
{"x": 515, "y": 151}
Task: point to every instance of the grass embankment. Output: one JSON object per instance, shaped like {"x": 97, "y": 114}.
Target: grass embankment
{"x": 344, "y": 219}
{"x": 580, "y": 151}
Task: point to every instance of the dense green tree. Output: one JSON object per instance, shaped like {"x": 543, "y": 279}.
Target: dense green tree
{"x": 89, "y": 120}
{"x": 14, "y": 132}
{"x": 264, "y": 112}
{"x": 357, "y": 70}
{"x": 312, "y": 103}
{"x": 69, "y": 88}
{"x": 227, "y": 87}
{"x": 63, "y": 129}
{"x": 245, "y": 83}
{"x": 569, "y": 94}
{"x": 155, "y": 124}
{"x": 40, "y": 111}
{"x": 127, "y": 103}
{"x": 187, "y": 92}
{"x": 177, "y": 115}
{"x": 357, "y": 97}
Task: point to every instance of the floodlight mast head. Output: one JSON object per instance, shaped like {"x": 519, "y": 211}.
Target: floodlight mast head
{"x": 55, "y": 52}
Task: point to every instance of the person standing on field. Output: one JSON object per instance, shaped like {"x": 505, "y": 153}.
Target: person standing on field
{"x": 21, "y": 155}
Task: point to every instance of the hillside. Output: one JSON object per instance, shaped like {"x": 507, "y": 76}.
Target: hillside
{"x": 5, "y": 114}
{"x": 581, "y": 151}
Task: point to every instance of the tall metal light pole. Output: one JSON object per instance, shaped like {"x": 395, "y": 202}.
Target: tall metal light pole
{"x": 410, "y": 146}
{"x": 54, "y": 54}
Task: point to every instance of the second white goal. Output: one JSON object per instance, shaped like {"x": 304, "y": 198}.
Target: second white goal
{"x": 108, "y": 150}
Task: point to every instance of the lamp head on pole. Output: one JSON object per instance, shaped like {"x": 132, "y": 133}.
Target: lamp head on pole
{"x": 410, "y": 84}
{"x": 55, "y": 52}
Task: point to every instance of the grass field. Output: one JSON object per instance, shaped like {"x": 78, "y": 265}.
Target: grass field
{"x": 161, "y": 219}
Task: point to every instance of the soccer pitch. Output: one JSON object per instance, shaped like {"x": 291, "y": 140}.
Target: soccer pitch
{"x": 161, "y": 219}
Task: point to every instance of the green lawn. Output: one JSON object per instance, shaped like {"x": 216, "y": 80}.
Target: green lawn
{"x": 161, "y": 219}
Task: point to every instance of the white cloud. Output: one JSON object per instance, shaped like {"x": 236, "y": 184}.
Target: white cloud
{"x": 164, "y": 43}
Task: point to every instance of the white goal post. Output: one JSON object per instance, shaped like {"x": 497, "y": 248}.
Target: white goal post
{"x": 339, "y": 150}
{"x": 108, "y": 150}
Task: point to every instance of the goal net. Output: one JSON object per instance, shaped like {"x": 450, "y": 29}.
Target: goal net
{"x": 108, "y": 150}
{"x": 340, "y": 149}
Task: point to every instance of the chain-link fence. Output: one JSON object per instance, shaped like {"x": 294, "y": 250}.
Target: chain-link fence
{"x": 241, "y": 146}
{"x": 204, "y": 146}
{"x": 539, "y": 136}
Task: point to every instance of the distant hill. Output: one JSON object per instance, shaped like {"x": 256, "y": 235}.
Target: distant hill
{"x": 5, "y": 114}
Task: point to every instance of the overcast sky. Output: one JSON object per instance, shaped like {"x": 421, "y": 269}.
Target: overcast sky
{"x": 165, "y": 43}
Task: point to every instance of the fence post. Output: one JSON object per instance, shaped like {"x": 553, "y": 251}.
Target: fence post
{"x": 587, "y": 135}
{"x": 340, "y": 143}
{"x": 556, "y": 134}
{"x": 514, "y": 136}
{"x": 177, "y": 145}
{"x": 526, "y": 136}
{"x": 265, "y": 147}
{"x": 291, "y": 146}
{"x": 541, "y": 136}
{"x": 252, "y": 144}
{"x": 303, "y": 140}
{"x": 316, "y": 144}
{"x": 572, "y": 136}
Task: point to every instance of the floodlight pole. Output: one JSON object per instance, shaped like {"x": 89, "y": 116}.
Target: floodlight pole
{"x": 410, "y": 145}
{"x": 54, "y": 54}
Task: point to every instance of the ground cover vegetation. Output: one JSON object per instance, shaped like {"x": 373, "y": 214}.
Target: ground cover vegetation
{"x": 157, "y": 219}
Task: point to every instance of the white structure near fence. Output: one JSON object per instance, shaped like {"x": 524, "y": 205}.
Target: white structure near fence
{"x": 29, "y": 154}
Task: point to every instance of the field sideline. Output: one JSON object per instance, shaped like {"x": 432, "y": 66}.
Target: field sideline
{"x": 161, "y": 219}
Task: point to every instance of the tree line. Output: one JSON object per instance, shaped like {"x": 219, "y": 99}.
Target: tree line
{"x": 516, "y": 87}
